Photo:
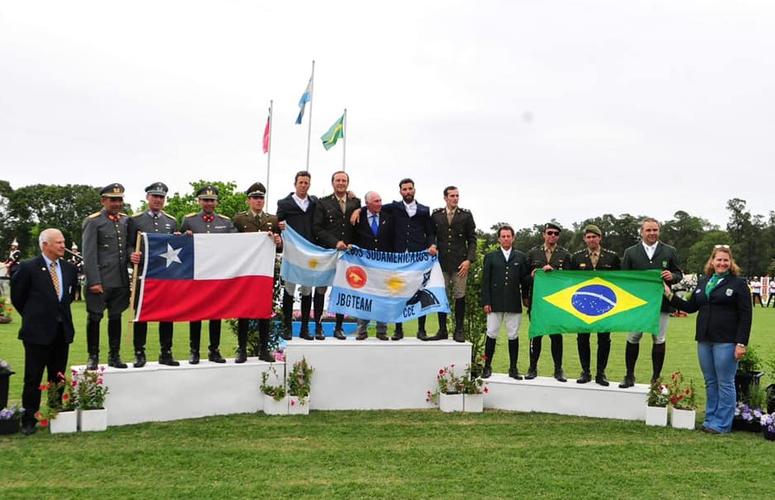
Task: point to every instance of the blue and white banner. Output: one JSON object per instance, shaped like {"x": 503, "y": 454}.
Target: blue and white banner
{"x": 305, "y": 263}
{"x": 387, "y": 286}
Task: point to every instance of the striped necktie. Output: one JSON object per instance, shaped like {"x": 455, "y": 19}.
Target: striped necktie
{"x": 52, "y": 269}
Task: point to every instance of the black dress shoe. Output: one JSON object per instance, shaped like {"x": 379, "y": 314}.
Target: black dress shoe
{"x": 29, "y": 429}
{"x": 627, "y": 382}
{"x": 339, "y": 334}
{"x": 382, "y": 336}
{"x": 398, "y": 335}
{"x": 241, "y": 357}
{"x": 214, "y": 355}
{"x": 114, "y": 360}
{"x": 288, "y": 334}
{"x": 139, "y": 359}
{"x": 306, "y": 336}
{"x": 459, "y": 336}
{"x": 165, "y": 358}
{"x": 265, "y": 355}
{"x": 93, "y": 362}
{"x": 584, "y": 378}
{"x": 515, "y": 374}
{"x": 601, "y": 380}
{"x": 421, "y": 335}
{"x": 319, "y": 335}
{"x": 532, "y": 373}
{"x": 486, "y": 371}
{"x": 559, "y": 375}
{"x": 193, "y": 358}
{"x": 362, "y": 336}
{"x": 440, "y": 335}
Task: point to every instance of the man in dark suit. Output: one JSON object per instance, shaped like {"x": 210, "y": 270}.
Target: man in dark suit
{"x": 412, "y": 232}
{"x": 650, "y": 253}
{"x": 332, "y": 227}
{"x": 373, "y": 231}
{"x": 505, "y": 285}
{"x": 545, "y": 258}
{"x": 456, "y": 240}
{"x": 594, "y": 258}
{"x": 42, "y": 289}
{"x": 297, "y": 210}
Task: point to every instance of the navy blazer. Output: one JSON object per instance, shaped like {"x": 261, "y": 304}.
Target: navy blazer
{"x": 33, "y": 295}
{"x": 364, "y": 238}
{"x": 298, "y": 219}
{"x": 725, "y": 316}
{"x": 411, "y": 234}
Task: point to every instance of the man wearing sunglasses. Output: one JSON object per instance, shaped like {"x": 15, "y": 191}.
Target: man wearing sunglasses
{"x": 650, "y": 253}
{"x": 546, "y": 258}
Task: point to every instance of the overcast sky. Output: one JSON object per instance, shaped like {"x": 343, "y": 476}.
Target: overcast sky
{"x": 535, "y": 109}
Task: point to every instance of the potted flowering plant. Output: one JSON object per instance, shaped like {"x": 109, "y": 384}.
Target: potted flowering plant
{"x": 683, "y": 400}
{"x": 767, "y": 422}
{"x": 474, "y": 390}
{"x": 275, "y": 396}
{"x": 90, "y": 393}
{"x": 449, "y": 390}
{"x": 749, "y": 373}
{"x": 749, "y": 411}
{"x": 60, "y": 414}
{"x": 656, "y": 404}
{"x": 10, "y": 419}
{"x": 299, "y": 386}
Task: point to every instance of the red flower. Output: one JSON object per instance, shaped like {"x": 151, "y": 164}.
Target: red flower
{"x": 60, "y": 376}
{"x": 65, "y": 397}
{"x": 485, "y": 390}
{"x": 43, "y": 423}
{"x": 293, "y": 402}
{"x": 441, "y": 371}
{"x": 43, "y": 387}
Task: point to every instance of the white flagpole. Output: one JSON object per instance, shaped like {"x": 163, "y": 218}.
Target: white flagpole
{"x": 344, "y": 138}
{"x": 269, "y": 153}
{"x": 309, "y": 122}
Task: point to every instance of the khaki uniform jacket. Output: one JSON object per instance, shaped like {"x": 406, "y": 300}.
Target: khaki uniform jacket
{"x": 455, "y": 241}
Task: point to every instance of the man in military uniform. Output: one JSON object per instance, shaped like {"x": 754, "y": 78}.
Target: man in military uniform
{"x": 297, "y": 210}
{"x": 546, "y": 258}
{"x": 77, "y": 260}
{"x": 456, "y": 241}
{"x": 373, "y": 231}
{"x": 650, "y": 253}
{"x": 107, "y": 279}
{"x": 505, "y": 286}
{"x": 252, "y": 220}
{"x": 413, "y": 232}
{"x": 594, "y": 258}
{"x": 206, "y": 221}
{"x": 332, "y": 229}
{"x": 153, "y": 220}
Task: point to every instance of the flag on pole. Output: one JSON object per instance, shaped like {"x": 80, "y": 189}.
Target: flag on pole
{"x": 267, "y": 132}
{"x": 593, "y": 301}
{"x": 333, "y": 134}
{"x": 305, "y": 98}
{"x": 206, "y": 276}
{"x": 387, "y": 286}
{"x": 305, "y": 263}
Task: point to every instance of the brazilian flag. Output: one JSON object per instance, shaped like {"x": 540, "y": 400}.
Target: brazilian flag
{"x": 593, "y": 301}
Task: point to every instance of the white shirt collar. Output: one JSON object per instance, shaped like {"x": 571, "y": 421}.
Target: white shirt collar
{"x": 506, "y": 253}
{"x": 303, "y": 203}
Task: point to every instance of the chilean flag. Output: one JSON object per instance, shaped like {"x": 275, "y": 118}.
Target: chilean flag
{"x": 206, "y": 276}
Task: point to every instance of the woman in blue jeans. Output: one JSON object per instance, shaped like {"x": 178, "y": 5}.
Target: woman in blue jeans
{"x": 723, "y": 302}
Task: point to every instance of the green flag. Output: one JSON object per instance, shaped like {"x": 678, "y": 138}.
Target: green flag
{"x": 593, "y": 301}
{"x": 333, "y": 134}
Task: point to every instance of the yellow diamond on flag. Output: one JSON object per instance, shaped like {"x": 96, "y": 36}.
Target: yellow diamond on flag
{"x": 395, "y": 284}
{"x": 312, "y": 263}
{"x": 593, "y": 300}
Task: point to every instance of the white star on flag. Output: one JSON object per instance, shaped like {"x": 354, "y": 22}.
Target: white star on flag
{"x": 171, "y": 255}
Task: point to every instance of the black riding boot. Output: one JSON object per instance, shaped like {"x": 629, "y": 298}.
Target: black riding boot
{"x": 287, "y": 315}
{"x": 630, "y": 358}
{"x": 489, "y": 352}
{"x": 114, "y": 343}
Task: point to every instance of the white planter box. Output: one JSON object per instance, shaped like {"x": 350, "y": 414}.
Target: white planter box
{"x": 683, "y": 419}
{"x": 65, "y": 422}
{"x": 473, "y": 403}
{"x": 449, "y": 403}
{"x": 656, "y": 415}
{"x": 93, "y": 420}
{"x": 298, "y": 406}
{"x": 272, "y": 407}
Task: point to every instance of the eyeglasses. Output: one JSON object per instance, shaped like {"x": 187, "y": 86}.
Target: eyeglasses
{"x": 553, "y": 233}
{"x": 726, "y": 247}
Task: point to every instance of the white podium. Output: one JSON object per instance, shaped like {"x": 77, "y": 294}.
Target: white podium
{"x": 375, "y": 374}
{"x": 546, "y": 395}
{"x": 158, "y": 393}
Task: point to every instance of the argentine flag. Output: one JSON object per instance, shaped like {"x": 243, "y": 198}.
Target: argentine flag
{"x": 305, "y": 263}
{"x": 305, "y": 98}
{"x": 386, "y": 286}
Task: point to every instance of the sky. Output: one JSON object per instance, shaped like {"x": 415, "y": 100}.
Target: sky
{"x": 535, "y": 109}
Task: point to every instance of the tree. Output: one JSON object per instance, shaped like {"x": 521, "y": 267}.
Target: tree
{"x": 618, "y": 232}
{"x": 698, "y": 253}
{"x": 746, "y": 231}
{"x": 229, "y": 201}
{"x": 683, "y": 231}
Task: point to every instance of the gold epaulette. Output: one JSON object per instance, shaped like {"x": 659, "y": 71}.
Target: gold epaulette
{"x": 222, "y": 216}
{"x": 192, "y": 214}
{"x": 95, "y": 214}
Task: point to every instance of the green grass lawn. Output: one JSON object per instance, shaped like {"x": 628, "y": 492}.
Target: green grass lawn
{"x": 395, "y": 453}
